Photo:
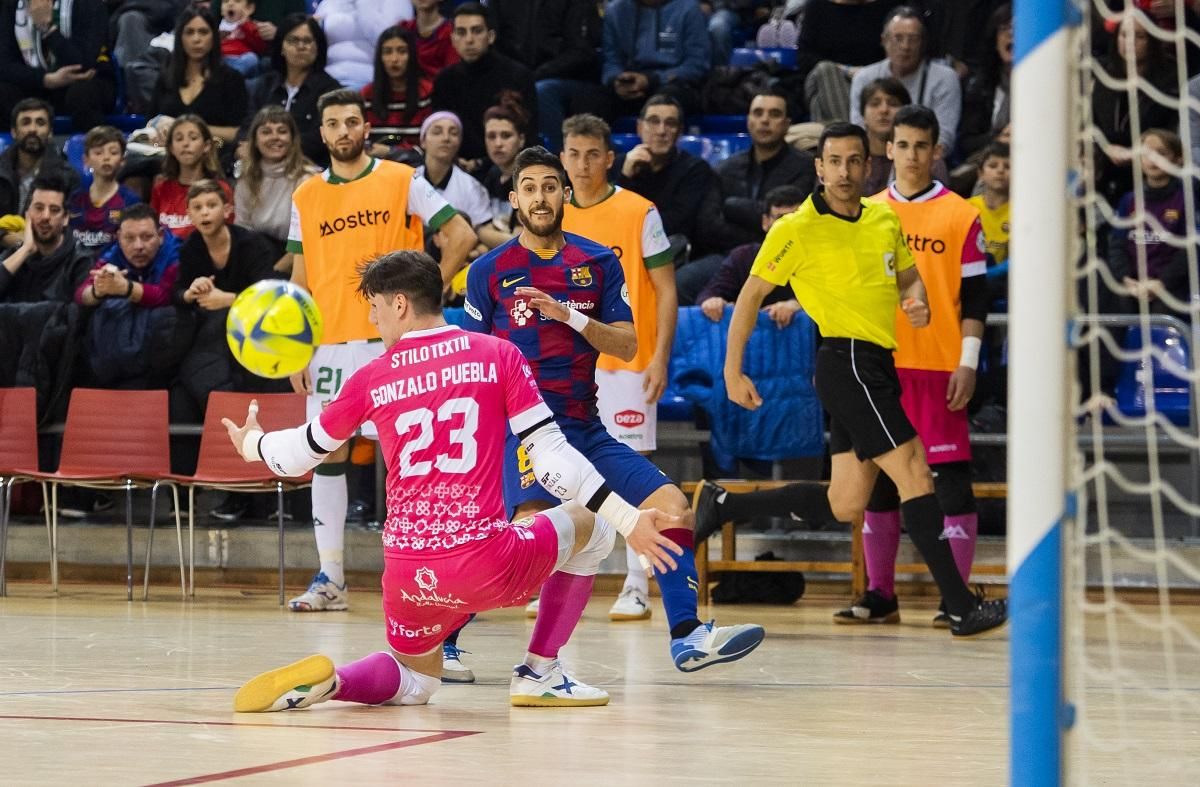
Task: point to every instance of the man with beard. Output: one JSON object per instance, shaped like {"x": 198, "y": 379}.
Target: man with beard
{"x": 27, "y": 157}
{"x": 358, "y": 209}
{"x": 48, "y": 265}
{"x": 562, "y": 300}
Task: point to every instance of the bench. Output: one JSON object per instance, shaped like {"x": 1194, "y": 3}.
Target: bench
{"x": 855, "y": 567}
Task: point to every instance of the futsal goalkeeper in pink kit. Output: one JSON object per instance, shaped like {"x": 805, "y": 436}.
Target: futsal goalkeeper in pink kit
{"x": 441, "y": 398}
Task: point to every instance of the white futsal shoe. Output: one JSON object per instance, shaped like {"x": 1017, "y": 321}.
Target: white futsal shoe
{"x": 322, "y": 596}
{"x": 453, "y": 670}
{"x": 552, "y": 688}
{"x": 630, "y": 605}
{"x": 295, "y": 686}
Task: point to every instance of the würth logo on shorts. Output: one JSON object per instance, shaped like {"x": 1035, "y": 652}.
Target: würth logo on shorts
{"x": 362, "y": 218}
{"x": 629, "y": 418}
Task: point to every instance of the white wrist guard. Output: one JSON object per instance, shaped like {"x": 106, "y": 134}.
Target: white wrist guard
{"x": 623, "y": 516}
{"x": 249, "y": 447}
{"x": 577, "y": 320}
{"x": 970, "y": 352}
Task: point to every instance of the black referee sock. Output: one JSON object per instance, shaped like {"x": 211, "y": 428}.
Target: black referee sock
{"x": 923, "y": 520}
{"x": 808, "y": 500}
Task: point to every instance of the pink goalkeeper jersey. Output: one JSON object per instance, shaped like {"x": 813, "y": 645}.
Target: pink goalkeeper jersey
{"x": 440, "y": 399}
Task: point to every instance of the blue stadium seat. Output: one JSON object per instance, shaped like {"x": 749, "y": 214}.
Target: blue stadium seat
{"x": 623, "y": 143}
{"x": 673, "y": 407}
{"x": 5, "y": 140}
{"x": 720, "y": 124}
{"x": 625, "y": 125}
{"x": 73, "y": 152}
{"x": 1171, "y": 397}
{"x": 749, "y": 58}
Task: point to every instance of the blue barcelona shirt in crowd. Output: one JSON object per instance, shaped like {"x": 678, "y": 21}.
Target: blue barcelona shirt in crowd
{"x": 95, "y": 226}
{"x": 583, "y": 275}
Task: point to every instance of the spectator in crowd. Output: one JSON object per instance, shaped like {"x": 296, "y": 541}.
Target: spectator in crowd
{"x": 296, "y": 80}
{"x": 1133, "y": 53}
{"x": 673, "y": 179}
{"x": 993, "y": 206}
{"x": 94, "y": 210}
{"x": 268, "y": 14}
{"x": 557, "y": 40}
{"x": 781, "y": 305}
{"x": 191, "y": 156}
{"x": 196, "y": 82}
{"x": 57, "y": 52}
{"x": 655, "y": 46}
{"x": 1164, "y": 250}
{"x": 987, "y": 94}
{"x": 275, "y": 166}
{"x": 957, "y": 31}
{"x": 504, "y": 135}
{"x": 929, "y": 83}
{"x": 879, "y": 103}
{"x": 838, "y": 38}
{"x": 398, "y": 99}
{"x": 743, "y": 180}
{"x": 241, "y": 42}
{"x": 435, "y": 50}
{"x": 48, "y": 265}
{"x": 133, "y": 25}
{"x": 441, "y": 137}
{"x": 725, "y": 17}
{"x": 129, "y": 337}
{"x": 351, "y": 26}
{"x": 480, "y": 81}
{"x": 29, "y": 155}
{"x": 216, "y": 263}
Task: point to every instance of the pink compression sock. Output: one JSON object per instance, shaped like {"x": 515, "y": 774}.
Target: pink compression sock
{"x": 371, "y": 680}
{"x": 962, "y": 531}
{"x": 881, "y": 541}
{"x": 563, "y": 599}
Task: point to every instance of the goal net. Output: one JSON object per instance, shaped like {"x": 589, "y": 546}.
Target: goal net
{"x": 1110, "y": 629}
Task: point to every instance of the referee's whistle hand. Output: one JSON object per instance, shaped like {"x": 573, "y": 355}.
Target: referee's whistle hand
{"x": 741, "y": 391}
{"x": 917, "y": 312}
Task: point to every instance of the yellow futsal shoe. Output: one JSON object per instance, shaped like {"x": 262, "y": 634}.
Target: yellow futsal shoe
{"x": 552, "y": 688}
{"x": 298, "y": 685}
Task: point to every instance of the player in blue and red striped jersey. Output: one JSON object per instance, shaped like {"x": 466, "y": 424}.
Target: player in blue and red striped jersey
{"x": 562, "y": 300}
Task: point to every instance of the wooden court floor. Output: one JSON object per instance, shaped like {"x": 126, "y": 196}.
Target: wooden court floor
{"x": 97, "y": 691}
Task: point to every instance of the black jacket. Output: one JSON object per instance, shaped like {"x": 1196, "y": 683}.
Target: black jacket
{"x": 10, "y": 184}
{"x": 39, "y": 344}
{"x": 677, "y": 191}
{"x": 556, "y": 39}
{"x": 89, "y": 35}
{"x": 52, "y": 278}
{"x": 743, "y": 184}
{"x": 469, "y": 89}
{"x": 271, "y": 90}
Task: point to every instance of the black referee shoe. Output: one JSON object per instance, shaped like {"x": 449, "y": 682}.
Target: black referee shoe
{"x": 986, "y": 615}
{"x": 870, "y": 607}
{"x": 708, "y": 520}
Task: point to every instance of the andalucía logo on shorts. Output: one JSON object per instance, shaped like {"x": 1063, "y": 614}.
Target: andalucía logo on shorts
{"x": 581, "y": 276}
{"x": 426, "y": 579}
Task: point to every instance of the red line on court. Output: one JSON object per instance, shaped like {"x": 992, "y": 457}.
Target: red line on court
{"x": 337, "y": 755}
{"x": 454, "y": 733}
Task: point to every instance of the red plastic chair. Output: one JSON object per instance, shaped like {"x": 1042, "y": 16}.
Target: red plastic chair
{"x": 116, "y": 440}
{"x": 221, "y": 467}
{"x": 18, "y": 459}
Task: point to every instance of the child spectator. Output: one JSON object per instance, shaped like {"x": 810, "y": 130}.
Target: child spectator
{"x": 191, "y": 156}
{"x": 95, "y": 210}
{"x": 1159, "y": 232}
{"x": 398, "y": 99}
{"x": 241, "y": 43}
{"x": 435, "y": 51}
{"x": 993, "y": 206}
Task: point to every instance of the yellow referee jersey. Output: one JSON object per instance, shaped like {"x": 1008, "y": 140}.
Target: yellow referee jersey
{"x": 843, "y": 271}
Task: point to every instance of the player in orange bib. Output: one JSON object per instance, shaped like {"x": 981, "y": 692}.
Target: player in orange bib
{"x": 359, "y": 208}
{"x": 936, "y": 365}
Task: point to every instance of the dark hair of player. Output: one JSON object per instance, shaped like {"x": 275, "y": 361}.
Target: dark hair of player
{"x": 588, "y": 125}
{"x": 534, "y": 157}
{"x": 413, "y": 273}
{"x": 341, "y": 98}
{"x": 918, "y": 117}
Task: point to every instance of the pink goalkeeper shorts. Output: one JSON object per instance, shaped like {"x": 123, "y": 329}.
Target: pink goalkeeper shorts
{"x": 943, "y": 432}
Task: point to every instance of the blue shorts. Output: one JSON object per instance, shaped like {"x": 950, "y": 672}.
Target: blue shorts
{"x": 628, "y": 473}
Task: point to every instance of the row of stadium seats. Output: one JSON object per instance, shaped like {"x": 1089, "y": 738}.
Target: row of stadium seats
{"x": 713, "y": 148}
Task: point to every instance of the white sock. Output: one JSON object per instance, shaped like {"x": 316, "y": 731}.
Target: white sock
{"x": 539, "y": 664}
{"x": 635, "y": 575}
{"x": 329, "y": 499}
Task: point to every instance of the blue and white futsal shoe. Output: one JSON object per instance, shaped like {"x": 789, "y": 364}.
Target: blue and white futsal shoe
{"x": 552, "y": 688}
{"x": 709, "y": 645}
{"x": 322, "y": 596}
{"x": 295, "y": 686}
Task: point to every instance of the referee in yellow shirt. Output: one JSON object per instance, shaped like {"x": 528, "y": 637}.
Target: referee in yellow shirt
{"x": 847, "y": 261}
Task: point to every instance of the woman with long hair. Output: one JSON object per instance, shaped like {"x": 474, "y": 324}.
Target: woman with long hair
{"x": 296, "y": 80}
{"x": 398, "y": 99}
{"x": 191, "y": 157}
{"x": 197, "y": 82}
{"x": 275, "y": 166}
{"x": 504, "y": 135}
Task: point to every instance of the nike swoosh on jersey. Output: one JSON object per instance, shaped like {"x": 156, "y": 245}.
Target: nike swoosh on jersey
{"x": 510, "y": 282}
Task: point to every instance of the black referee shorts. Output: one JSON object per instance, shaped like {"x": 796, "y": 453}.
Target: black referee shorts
{"x": 857, "y": 384}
